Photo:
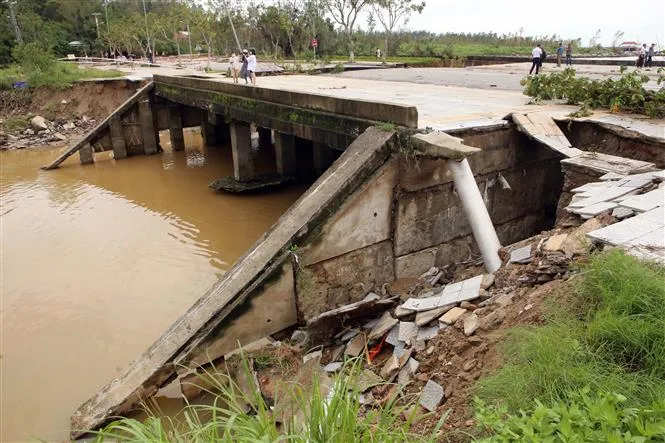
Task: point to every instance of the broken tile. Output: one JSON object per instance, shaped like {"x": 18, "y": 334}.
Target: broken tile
{"x": 371, "y": 297}
{"x": 645, "y": 202}
{"x": 356, "y": 346}
{"x": 431, "y": 396}
{"x": 393, "y": 336}
{"x": 621, "y": 213}
{"x": 407, "y": 331}
{"x": 424, "y": 317}
{"x": 452, "y": 316}
{"x": 399, "y": 349}
{"x": 422, "y": 304}
{"x": 427, "y": 333}
{"x": 606, "y": 195}
{"x": 589, "y": 187}
{"x": 521, "y": 255}
{"x": 554, "y": 242}
{"x": 401, "y": 312}
{"x": 487, "y": 282}
{"x": 394, "y": 364}
{"x": 385, "y": 323}
{"x": 333, "y": 366}
{"x": 471, "y": 324}
{"x": 370, "y": 324}
{"x": 595, "y": 209}
{"x": 611, "y": 176}
{"x": 337, "y": 353}
{"x": 655, "y": 215}
{"x": 412, "y": 365}
{"x": 348, "y": 335}
{"x": 403, "y": 377}
{"x": 429, "y": 273}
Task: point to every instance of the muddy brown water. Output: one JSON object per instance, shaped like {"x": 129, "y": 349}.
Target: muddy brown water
{"x": 97, "y": 261}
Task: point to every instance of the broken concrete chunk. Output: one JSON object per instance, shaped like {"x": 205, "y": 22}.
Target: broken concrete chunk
{"x": 348, "y": 335}
{"x": 39, "y": 123}
{"x": 400, "y": 349}
{"x": 429, "y": 273}
{"x": 427, "y": 333}
{"x": 370, "y": 324}
{"x": 424, "y": 317}
{"x": 521, "y": 255}
{"x": 394, "y": 364}
{"x": 312, "y": 355}
{"x": 461, "y": 291}
{"x": 401, "y": 312}
{"x": 407, "y": 331}
{"x": 367, "y": 380}
{"x": 385, "y": 323}
{"x": 299, "y": 336}
{"x": 555, "y": 242}
{"x": 355, "y": 346}
{"x": 471, "y": 324}
{"x": 431, "y": 396}
{"x": 452, "y": 316}
{"x": 487, "y": 282}
{"x": 422, "y": 304}
{"x": 621, "y": 213}
{"x": 577, "y": 243}
{"x": 371, "y": 297}
{"x": 333, "y": 366}
{"x": 611, "y": 176}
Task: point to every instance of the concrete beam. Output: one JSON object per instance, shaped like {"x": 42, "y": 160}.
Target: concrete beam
{"x": 85, "y": 154}
{"x": 117, "y": 139}
{"x": 285, "y": 154}
{"x": 148, "y": 133}
{"x": 241, "y": 149}
{"x": 441, "y": 145}
{"x": 175, "y": 129}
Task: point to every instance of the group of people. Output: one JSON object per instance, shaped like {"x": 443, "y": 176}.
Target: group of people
{"x": 539, "y": 56}
{"x": 243, "y": 66}
{"x": 645, "y": 56}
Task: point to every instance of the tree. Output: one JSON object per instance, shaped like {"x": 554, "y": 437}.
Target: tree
{"x": 171, "y": 23}
{"x": 595, "y": 40}
{"x": 391, "y": 12}
{"x": 345, "y": 13}
{"x": 617, "y": 36}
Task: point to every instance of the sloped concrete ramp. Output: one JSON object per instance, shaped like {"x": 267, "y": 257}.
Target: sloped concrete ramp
{"x": 236, "y": 306}
{"x": 544, "y": 129}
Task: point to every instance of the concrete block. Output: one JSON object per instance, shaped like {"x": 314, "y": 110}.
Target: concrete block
{"x": 471, "y": 324}
{"x": 175, "y": 128}
{"x": 438, "y": 144}
{"x": 365, "y": 219}
{"x": 555, "y": 242}
{"x": 241, "y": 149}
{"x": 521, "y": 255}
{"x": 385, "y": 324}
{"x": 452, "y": 316}
{"x": 117, "y": 138}
{"x": 427, "y": 333}
{"x": 424, "y": 317}
{"x": 413, "y": 265}
{"x": 356, "y": 346}
{"x": 85, "y": 155}
{"x": 407, "y": 331}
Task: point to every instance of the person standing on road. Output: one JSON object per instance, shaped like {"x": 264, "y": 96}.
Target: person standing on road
{"x": 569, "y": 54}
{"x": 251, "y": 66}
{"x": 243, "y": 68}
{"x": 233, "y": 66}
{"x": 559, "y": 54}
{"x": 536, "y": 53}
{"x": 650, "y": 54}
{"x": 641, "y": 54}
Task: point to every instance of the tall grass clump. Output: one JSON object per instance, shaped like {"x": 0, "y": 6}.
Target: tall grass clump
{"x": 610, "y": 338}
{"x": 326, "y": 412}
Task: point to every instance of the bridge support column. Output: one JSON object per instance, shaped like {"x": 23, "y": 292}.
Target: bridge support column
{"x": 175, "y": 129}
{"x": 323, "y": 157}
{"x": 285, "y": 154}
{"x": 241, "y": 149}
{"x": 85, "y": 154}
{"x": 148, "y": 133}
{"x": 208, "y": 128}
{"x": 265, "y": 137}
{"x": 117, "y": 139}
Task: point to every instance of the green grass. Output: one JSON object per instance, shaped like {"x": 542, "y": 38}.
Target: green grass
{"x": 58, "y": 75}
{"x": 16, "y": 124}
{"x": 610, "y": 338}
{"x": 317, "y": 416}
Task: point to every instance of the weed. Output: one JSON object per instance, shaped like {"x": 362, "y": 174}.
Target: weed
{"x": 610, "y": 338}
{"x": 17, "y": 124}
{"x": 338, "y": 68}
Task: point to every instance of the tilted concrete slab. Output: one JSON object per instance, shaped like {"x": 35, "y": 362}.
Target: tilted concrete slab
{"x": 544, "y": 129}
{"x": 156, "y": 366}
{"x": 441, "y": 145}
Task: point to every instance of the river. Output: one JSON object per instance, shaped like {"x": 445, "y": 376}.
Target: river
{"x": 97, "y": 261}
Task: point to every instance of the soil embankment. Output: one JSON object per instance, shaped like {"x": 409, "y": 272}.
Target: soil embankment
{"x": 66, "y": 114}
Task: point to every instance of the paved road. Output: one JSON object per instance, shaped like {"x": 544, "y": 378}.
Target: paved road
{"x": 502, "y": 77}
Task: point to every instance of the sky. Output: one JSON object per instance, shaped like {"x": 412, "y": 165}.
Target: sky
{"x": 641, "y": 20}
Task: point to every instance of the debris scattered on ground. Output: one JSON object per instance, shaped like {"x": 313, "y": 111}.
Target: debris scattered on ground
{"x": 42, "y": 132}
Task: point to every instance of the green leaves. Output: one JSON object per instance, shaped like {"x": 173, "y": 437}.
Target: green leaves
{"x": 626, "y": 94}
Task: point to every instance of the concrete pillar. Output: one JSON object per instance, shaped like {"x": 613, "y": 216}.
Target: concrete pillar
{"x": 241, "y": 149}
{"x": 323, "y": 157}
{"x": 476, "y": 213}
{"x": 117, "y": 139}
{"x": 208, "y": 131}
{"x": 265, "y": 137}
{"x": 285, "y": 154}
{"x": 147, "y": 127}
{"x": 175, "y": 129}
{"x": 85, "y": 154}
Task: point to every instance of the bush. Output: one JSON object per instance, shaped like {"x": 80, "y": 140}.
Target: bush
{"x": 610, "y": 338}
{"x": 587, "y": 417}
{"x": 626, "y": 94}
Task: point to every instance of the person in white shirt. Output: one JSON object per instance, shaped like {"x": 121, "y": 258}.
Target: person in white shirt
{"x": 233, "y": 66}
{"x": 251, "y": 66}
{"x": 536, "y": 53}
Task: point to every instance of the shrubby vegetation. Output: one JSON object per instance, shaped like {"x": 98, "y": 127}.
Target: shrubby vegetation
{"x": 626, "y": 94}
{"x": 598, "y": 365}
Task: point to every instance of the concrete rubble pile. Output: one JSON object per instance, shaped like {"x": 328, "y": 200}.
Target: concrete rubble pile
{"x": 42, "y": 131}
{"x": 638, "y": 201}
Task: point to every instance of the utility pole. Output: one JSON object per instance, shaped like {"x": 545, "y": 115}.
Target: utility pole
{"x": 12, "y": 18}
{"x": 96, "y": 15}
{"x": 147, "y": 32}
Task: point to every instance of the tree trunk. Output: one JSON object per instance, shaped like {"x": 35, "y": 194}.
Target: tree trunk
{"x": 385, "y": 51}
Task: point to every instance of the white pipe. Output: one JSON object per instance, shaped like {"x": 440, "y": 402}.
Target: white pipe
{"x": 476, "y": 212}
